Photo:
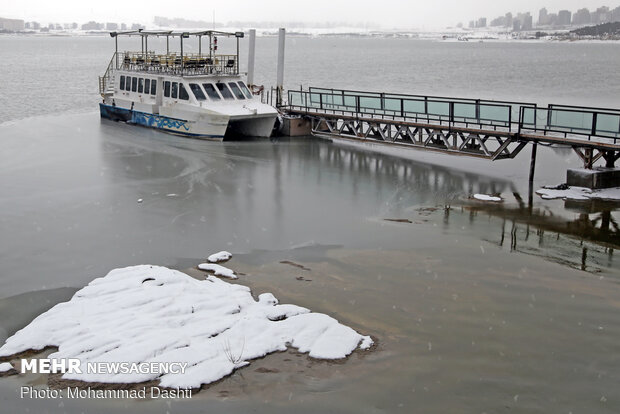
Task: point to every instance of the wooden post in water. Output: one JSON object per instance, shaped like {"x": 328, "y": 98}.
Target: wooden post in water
{"x": 533, "y": 161}
{"x": 530, "y": 198}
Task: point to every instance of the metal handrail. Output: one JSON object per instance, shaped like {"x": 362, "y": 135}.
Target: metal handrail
{"x": 449, "y": 115}
{"x": 389, "y": 95}
{"x": 107, "y": 76}
{"x": 601, "y": 122}
{"x": 590, "y": 130}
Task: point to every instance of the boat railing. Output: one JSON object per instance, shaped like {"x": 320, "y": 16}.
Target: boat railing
{"x": 108, "y": 77}
{"x": 177, "y": 64}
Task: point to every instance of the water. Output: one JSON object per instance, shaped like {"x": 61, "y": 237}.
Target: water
{"x": 475, "y": 308}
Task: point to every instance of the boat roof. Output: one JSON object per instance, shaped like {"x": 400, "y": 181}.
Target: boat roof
{"x": 172, "y": 33}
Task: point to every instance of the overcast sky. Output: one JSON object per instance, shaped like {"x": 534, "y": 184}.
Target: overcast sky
{"x": 384, "y": 13}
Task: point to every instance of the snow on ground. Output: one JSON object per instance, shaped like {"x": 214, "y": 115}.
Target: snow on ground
{"x": 5, "y": 367}
{"x": 151, "y": 314}
{"x": 580, "y": 193}
{"x": 485, "y": 197}
{"x": 217, "y": 270}
{"x": 219, "y": 257}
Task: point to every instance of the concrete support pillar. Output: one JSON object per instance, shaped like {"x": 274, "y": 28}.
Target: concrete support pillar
{"x": 251, "y": 54}
{"x": 280, "y": 79}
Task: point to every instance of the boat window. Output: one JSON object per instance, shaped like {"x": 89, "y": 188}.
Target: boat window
{"x": 224, "y": 91}
{"x": 122, "y": 84}
{"x": 167, "y": 89}
{"x": 245, "y": 90}
{"x": 154, "y": 87}
{"x": 175, "y": 90}
{"x": 134, "y": 84}
{"x": 147, "y": 86}
{"x": 236, "y": 90}
{"x": 128, "y": 83}
{"x": 183, "y": 92}
{"x": 211, "y": 92}
{"x": 197, "y": 92}
{"x": 140, "y": 85}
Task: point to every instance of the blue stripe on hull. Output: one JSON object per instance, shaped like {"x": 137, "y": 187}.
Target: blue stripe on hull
{"x": 164, "y": 123}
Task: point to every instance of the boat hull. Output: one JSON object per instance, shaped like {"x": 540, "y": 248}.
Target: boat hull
{"x": 164, "y": 123}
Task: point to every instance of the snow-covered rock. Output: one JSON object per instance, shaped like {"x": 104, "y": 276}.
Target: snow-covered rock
{"x": 150, "y": 314}
{"x": 219, "y": 257}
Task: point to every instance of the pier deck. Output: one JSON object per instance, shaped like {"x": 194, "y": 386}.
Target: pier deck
{"x": 480, "y": 128}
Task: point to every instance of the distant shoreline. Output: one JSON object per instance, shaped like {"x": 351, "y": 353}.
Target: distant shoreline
{"x": 443, "y": 37}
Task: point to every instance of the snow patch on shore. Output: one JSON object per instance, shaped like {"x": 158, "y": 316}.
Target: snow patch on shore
{"x": 580, "y": 193}
{"x": 218, "y": 270}
{"x": 5, "y": 367}
{"x": 150, "y": 314}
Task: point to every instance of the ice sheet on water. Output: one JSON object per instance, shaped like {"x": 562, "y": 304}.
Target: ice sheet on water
{"x": 580, "y": 193}
{"x": 154, "y": 314}
{"x": 486, "y": 197}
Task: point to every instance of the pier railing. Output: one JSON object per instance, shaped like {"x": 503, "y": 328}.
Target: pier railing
{"x": 415, "y": 108}
{"x": 564, "y": 119}
{"x": 507, "y": 116}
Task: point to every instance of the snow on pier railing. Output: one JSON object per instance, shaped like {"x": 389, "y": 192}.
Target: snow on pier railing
{"x": 151, "y": 315}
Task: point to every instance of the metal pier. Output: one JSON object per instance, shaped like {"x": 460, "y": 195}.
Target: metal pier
{"x": 488, "y": 129}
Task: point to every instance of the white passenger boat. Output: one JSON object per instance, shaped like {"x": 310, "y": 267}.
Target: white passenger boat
{"x": 200, "y": 94}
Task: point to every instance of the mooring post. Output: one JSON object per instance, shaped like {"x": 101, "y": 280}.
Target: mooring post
{"x": 251, "y": 54}
{"x": 533, "y": 162}
{"x": 530, "y": 196}
{"x": 280, "y": 80}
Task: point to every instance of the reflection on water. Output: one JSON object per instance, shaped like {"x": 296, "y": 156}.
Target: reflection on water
{"x": 586, "y": 241}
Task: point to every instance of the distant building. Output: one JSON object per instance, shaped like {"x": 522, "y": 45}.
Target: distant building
{"x": 615, "y": 14}
{"x": 582, "y": 16}
{"x": 543, "y": 17}
{"x": 498, "y": 21}
{"x": 111, "y": 26}
{"x": 508, "y": 19}
{"x": 472, "y": 24}
{"x": 482, "y": 22}
{"x": 526, "y": 24}
{"x": 564, "y": 17}
{"x": 92, "y": 26}
{"x": 123, "y": 26}
{"x": 601, "y": 15}
{"x": 35, "y": 25}
{"x": 136, "y": 26}
{"x": 516, "y": 25}
{"x": 12, "y": 25}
